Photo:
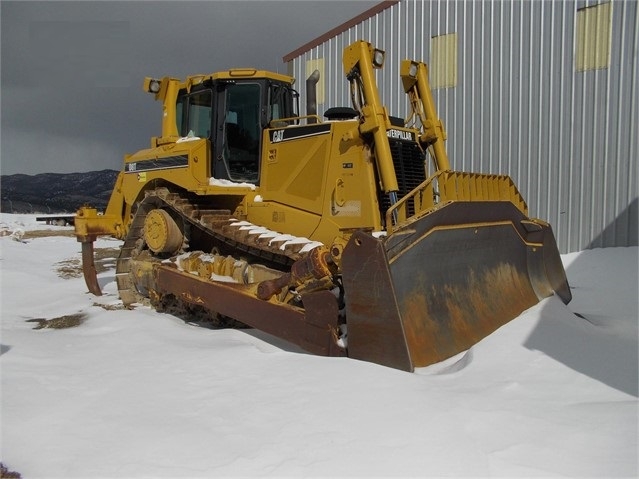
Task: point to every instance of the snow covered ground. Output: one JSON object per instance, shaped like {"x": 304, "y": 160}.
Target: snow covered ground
{"x": 134, "y": 393}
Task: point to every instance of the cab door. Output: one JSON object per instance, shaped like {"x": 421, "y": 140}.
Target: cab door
{"x": 237, "y": 149}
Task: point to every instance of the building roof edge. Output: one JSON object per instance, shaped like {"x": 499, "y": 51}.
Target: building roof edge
{"x": 340, "y": 29}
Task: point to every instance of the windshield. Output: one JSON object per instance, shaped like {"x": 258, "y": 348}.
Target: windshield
{"x": 193, "y": 114}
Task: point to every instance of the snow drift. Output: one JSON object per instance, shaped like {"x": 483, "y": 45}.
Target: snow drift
{"x": 135, "y": 393}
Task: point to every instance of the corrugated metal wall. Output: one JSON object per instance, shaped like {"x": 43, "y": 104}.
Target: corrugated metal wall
{"x": 569, "y": 139}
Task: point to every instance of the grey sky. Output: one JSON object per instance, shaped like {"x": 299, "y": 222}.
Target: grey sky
{"x": 72, "y": 72}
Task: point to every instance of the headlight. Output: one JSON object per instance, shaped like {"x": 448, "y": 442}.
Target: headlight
{"x": 154, "y": 86}
{"x": 412, "y": 70}
{"x": 378, "y": 58}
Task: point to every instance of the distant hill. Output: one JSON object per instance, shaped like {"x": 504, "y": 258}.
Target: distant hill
{"x": 55, "y": 192}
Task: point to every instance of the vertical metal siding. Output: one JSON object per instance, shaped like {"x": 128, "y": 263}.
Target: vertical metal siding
{"x": 568, "y": 139}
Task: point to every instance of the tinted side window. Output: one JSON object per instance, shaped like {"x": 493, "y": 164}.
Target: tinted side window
{"x": 199, "y": 116}
{"x": 179, "y": 115}
{"x": 281, "y": 102}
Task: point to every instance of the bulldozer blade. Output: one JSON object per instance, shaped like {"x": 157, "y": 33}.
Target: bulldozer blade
{"x": 443, "y": 282}
{"x": 88, "y": 268}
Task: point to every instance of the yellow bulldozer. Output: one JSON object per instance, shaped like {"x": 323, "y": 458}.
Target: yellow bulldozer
{"x": 329, "y": 234}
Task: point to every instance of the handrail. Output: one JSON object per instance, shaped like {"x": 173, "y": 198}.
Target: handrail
{"x": 282, "y": 122}
{"x": 447, "y": 186}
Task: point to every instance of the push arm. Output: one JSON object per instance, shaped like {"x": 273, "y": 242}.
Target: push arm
{"x": 415, "y": 80}
{"x": 360, "y": 60}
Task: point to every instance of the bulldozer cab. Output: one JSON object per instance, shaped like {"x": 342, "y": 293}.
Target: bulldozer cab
{"x": 232, "y": 115}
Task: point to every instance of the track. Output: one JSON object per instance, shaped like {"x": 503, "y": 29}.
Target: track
{"x": 206, "y": 229}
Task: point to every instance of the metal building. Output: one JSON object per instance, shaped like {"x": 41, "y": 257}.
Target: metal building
{"x": 543, "y": 91}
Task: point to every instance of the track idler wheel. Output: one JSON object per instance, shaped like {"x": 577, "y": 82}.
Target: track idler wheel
{"x": 161, "y": 232}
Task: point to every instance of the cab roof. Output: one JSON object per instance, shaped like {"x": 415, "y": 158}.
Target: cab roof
{"x": 236, "y": 74}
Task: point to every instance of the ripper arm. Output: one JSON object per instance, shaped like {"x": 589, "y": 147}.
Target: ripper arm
{"x": 89, "y": 224}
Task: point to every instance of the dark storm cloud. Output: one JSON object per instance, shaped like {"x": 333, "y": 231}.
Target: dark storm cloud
{"x": 72, "y": 71}
{"x": 79, "y": 53}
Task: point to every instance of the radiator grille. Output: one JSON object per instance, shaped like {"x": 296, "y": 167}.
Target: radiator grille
{"x": 408, "y": 160}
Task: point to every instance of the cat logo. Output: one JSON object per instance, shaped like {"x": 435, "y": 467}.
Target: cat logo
{"x": 278, "y": 136}
{"x": 400, "y": 135}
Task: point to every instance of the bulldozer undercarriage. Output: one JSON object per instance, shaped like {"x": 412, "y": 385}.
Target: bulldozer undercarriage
{"x": 182, "y": 258}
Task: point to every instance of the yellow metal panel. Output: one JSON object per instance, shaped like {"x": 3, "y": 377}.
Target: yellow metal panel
{"x": 593, "y": 37}
{"x": 294, "y": 171}
{"x": 443, "y": 61}
{"x": 456, "y": 186}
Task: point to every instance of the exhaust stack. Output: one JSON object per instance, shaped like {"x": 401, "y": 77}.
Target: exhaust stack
{"x": 311, "y": 95}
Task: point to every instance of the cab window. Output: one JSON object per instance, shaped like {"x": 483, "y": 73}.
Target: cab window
{"x": 199, "y": 114}
{"x": 282, "y": 102}
{"x": 179, "y": 115}
{"x": 242, "y": 131}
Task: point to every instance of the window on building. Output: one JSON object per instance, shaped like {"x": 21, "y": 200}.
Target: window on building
{"x": 443, "y": 61}
{"x": 593, "y": 32}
